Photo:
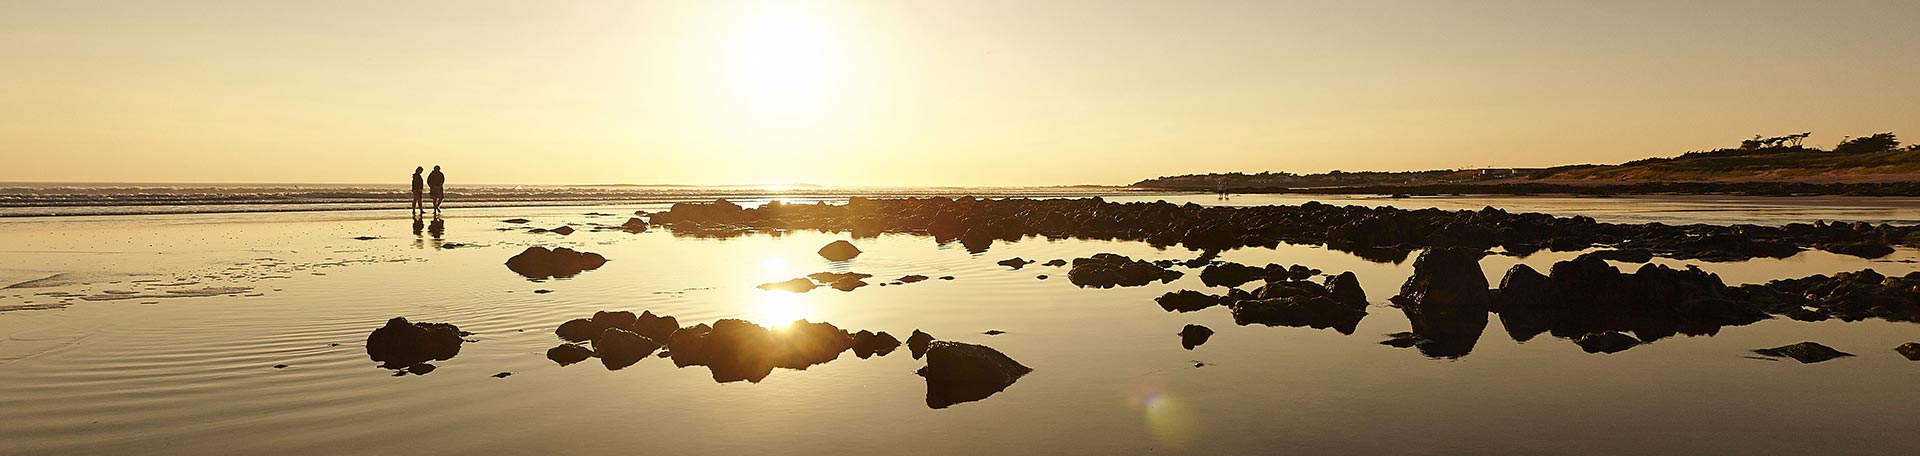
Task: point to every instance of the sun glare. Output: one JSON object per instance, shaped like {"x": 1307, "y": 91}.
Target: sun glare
{"x": 783, "y": 60}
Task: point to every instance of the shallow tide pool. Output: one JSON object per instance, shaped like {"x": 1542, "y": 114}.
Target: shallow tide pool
{"x": 160, "y": 335}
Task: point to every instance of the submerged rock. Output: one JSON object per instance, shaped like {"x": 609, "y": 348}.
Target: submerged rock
{"x": 1804, "y": 352}
{"x": 958, "y": 373}
{"x": 839, "y": 251}
{"x": 1194, "y": 335}
{"x": 1911, "y": 350}
{"x": 1187, "y": 301}
{"x": 558, "y": 263}
{"x": 401, "y": 344}
{"x": 1607, "y": 342}
{"x": 790, "y": 285}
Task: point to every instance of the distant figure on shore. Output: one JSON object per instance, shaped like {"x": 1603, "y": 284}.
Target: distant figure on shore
{"x": 437, "y": 182}
{"x": 419, "y": 186}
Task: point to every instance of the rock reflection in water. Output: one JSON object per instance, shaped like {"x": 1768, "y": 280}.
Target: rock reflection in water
{"x": 958, "y": 373}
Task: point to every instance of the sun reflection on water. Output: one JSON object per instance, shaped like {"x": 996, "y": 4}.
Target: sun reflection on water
{"x": 777, "y": 309}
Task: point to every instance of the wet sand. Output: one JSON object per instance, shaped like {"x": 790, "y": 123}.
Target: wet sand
{"x": 176, "y": 352}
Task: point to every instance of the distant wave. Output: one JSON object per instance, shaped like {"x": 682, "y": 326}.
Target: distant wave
{"x": 26, "y": 200}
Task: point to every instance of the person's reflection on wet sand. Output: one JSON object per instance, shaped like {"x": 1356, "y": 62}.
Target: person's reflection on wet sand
{"x": 437, "y": 229}
{"x": 418, "y": 225}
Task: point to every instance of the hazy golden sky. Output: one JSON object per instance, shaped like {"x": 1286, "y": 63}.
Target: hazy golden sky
{"x": 922, "y": 92}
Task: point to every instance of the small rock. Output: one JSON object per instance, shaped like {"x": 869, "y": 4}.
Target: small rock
{"x": 917, "y": 342}
{"x": 839, "y": 251}
{"x": 1804, "y": 352}
{"x": 502, "y": 375}
{"x": 279, "y": 366}
{"x": 994, "y": 332}
{"x": 1194, "y": 335}
{"x": 1910, "y": 349}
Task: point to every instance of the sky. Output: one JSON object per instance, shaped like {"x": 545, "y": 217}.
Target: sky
{"x": 895, "y": 93}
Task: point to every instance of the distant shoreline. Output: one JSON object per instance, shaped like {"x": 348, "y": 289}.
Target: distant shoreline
{"x": 1775, "y": 189}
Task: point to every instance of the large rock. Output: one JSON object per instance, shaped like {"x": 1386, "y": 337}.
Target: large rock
{"x": 1446, "y": 301}
{"x": 1230, "y": 274}
{"x": 1345, "y": 288}
{"x": 839, "y": 251}
{"x": 537, "y": 263}
{"x": 958, "y": 372}
{"x": 402, "y": 344}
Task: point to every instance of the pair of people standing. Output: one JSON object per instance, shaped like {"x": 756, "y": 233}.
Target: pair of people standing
{"x": 436, "y": 181}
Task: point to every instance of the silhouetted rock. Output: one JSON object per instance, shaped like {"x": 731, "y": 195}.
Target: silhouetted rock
{"x": 614, "y": 319}
{"x": 542, "y": 263}
{"x": 634, "y": 225}
{"x": 1607, "y": 342}
{"x": 1865, "y": 249}
{"x": 867, "y": 343}
{"x": 1015, "y": 262}
{"x": 1318, "y": 312}
{"x": 655, "y": 327}
{"x": 619, "y": 348}
{"x": 1625, "y": 256}
{"x": 515, "y": 220}
{"x": 565, "y": 354}
{"x": 958, "y": 372}
{"x": 1446, "y": 301}
{"x": 1345, "y": 288}
{"x": 912, "y": 278}
{"x": 1194, "y": 335}
{"x": 1230, "y": 274}
{"x": 790, "y": 285}
{"x": 1849, "y": 296}
{"x": 1804, "y": 352}
{"x": 738, "y": 350}
{"x": 578, "y": 330}
{"x": 563, "y": 230}
{"x": 1106, "y": 270}
{"x": 839, "y": 251}
{"x": 1187, "y": 301}
{"x": 917, "y": 343}
{"x": 1383, "y": 234}
{"x": 401, "y": 344}
{"x": 1056, "y": 262}
{"x": 1911, "y": 350}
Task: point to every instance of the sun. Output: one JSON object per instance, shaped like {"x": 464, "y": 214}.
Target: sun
{"x": 783, "y": 60}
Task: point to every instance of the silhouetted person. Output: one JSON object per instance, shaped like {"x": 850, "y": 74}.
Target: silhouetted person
{"x": 438, "y": 183}
{"x": 418, "y": 186}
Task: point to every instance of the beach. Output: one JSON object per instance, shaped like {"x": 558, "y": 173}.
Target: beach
{"x": 247, "y": 333}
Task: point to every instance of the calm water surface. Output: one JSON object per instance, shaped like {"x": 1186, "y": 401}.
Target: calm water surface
{"x": 138, "y": 371}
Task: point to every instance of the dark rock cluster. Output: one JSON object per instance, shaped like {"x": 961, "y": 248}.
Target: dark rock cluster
{"x": 731, "y": 349}
{"x": 1382, "y": 234}
{"x": 1107, "y": 270}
